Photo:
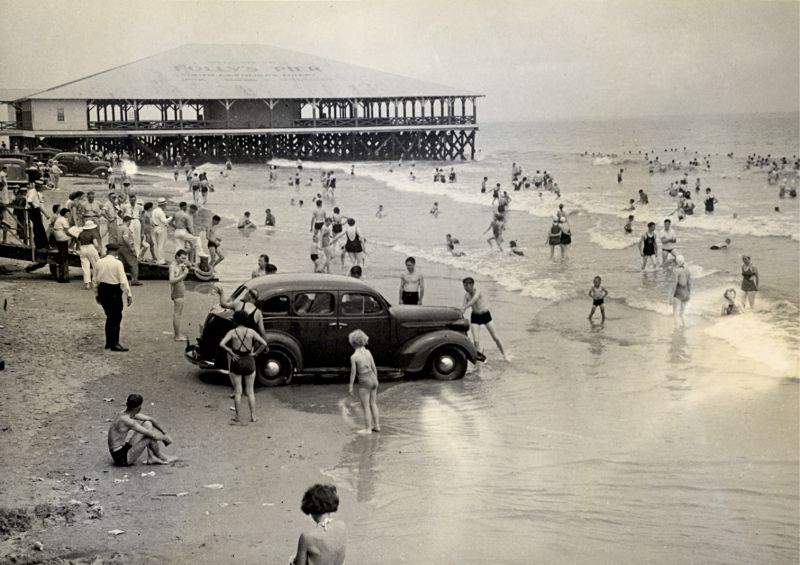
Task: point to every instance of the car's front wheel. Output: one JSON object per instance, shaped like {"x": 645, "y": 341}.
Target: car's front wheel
{"x": 447, "y": 363}
{"x": 274, "y": 368}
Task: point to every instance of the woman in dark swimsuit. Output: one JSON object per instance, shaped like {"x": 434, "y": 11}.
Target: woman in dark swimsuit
{"x": 245, "y": 345}
{"x": 749, "y": 282}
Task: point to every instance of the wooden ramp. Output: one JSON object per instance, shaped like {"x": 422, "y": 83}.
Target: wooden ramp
{"x": 41, "y": 258}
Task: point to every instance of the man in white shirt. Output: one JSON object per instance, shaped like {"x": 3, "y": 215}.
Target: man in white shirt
{"x": 110, "y": 213}
{"x": 110, "y": 282}
{"x": 134, "y": 209}
{"x": 62, "y": 238}
{"x": 160, "y": 222}
{"x": 35, "y": 212}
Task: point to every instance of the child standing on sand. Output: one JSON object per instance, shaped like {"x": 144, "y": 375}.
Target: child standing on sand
{"x": 363, "y": 365}
{"x": 598, "y": 293}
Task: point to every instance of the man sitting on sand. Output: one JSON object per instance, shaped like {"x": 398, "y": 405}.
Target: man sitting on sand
{"x": 131, "y": 433}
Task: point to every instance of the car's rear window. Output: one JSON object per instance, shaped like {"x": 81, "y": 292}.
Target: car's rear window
{"x": 353, "y": 304}
{"x": 313, "y": 303}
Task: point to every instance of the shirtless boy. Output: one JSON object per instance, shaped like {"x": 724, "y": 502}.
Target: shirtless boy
{"x": 412, "y": 284}
{"x": 598, "y": 294}
{"x": 480, "y": 316}
{"x": 131, "y": 433}
{"x": 317, "y": 218}
{"x": 214, "y": 242}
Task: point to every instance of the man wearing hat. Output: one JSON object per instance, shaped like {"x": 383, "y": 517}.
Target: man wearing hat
{"x": 110, "y": 283}
{"x": 127, "y": 249}
{"x": 159, "y": 220}
{"x": 88, "y": 245}
{"x": 35, "y": 212}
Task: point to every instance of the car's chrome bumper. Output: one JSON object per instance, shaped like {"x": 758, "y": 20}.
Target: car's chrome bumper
{"x": 192, "y": 354}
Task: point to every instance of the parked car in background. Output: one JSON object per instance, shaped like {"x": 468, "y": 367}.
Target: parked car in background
{"x": 43, "y": 153}
{"x": 80, "y": 164}
{"x": 308, "y": 317}
{"x": 15, "y": 171}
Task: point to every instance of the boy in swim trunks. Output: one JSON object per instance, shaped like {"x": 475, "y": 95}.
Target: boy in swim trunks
{"x": 214, "y": 241}
{"x": 598, "y": 293}
{"x": 412, "y": 284}
{"x": 131, "y": 433}
{"x": 317, "y": 218}
{"x": 451, "y": 243}
{"x": 480, "y": 316}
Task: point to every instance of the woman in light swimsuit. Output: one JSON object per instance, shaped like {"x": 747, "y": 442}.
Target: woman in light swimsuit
{"x": 749, "y": 282}
{"x": 245, "y": 345}
{"x": 554, "y": 237}
{"x": 363, "y": 365}
{"x": 681, "y": 292}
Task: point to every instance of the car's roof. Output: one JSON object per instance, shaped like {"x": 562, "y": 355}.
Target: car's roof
{"x": 306, "y": 281}
{"x": 71, "y": 153}
{"x": 12, "y": 160}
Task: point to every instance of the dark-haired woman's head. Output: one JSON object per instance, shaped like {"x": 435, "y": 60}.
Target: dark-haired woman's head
{"x": 320, "y": 499}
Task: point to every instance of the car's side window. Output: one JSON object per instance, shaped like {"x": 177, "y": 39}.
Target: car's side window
{"x": 275, "y": 306}
{"x": 313, "y": 303}
{"x": 353, "y": 304}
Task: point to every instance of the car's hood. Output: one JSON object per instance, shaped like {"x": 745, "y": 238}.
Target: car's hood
{"x": 412, "y": 315}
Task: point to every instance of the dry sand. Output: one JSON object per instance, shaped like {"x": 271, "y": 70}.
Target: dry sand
{"x": 56, "y": 470}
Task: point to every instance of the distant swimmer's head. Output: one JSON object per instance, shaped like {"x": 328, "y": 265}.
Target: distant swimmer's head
{"x": 730, "y": 294}
{"x": 512, "y": 243}
{"x": 351, "y": 221}
{"x": 336, "y": 210}
{"x": 728, "y": 240}
{"x": 679, "y": 260}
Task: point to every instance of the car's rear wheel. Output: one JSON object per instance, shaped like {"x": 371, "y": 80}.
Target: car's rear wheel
{"x": 447, "y": 363}
{"x": 274, "y": 368}
{"x": 102, "y": 174}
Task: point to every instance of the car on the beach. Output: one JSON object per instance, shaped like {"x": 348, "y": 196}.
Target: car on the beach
{"x": 308, "y": 317}
{"x": 43, "y": 153}
{"x": 80, "y": 164}
{"x": 15, "y": 171}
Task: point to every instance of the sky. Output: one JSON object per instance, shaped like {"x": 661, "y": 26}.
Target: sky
{"x": 534, "y": 60}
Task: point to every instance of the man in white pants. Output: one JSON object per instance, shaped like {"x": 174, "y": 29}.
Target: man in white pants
{"x": 134, "y": 209}
{"x": 160, "y": 222}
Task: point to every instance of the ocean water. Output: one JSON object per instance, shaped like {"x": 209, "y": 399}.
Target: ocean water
{"x": 628, "y": 442}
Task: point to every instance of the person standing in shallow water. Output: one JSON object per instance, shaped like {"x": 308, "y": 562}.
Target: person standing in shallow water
{"x": 362, "y": 365}
{"x": 480, "y": 316}
{"x": 681, "y": 292}
{"x": 750, "y": 282}
{"x": 325, "y": 542}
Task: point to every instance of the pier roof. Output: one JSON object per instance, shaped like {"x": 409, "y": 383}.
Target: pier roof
{"x": 220, "y": 72}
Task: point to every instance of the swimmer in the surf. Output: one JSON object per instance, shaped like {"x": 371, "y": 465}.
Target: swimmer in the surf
{"x": 629, "y": 225}
{"x": 435, "y": 210}
{"x": 245, "y": 223}
{"x": 725, "y": 245}
{"x": 515, "y": 249}
{"x": 643, "y": 199}
{"x": 451, "y": 246}
{"x": 631, "y": 206}
{"x": 730, "y": 307}
{"x": 379, "y": 213}
{"x": 598, "y": 294}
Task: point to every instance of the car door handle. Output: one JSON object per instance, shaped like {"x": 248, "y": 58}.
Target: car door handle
{"x": 333, "y": 324}
{"x": 342, "y": 325}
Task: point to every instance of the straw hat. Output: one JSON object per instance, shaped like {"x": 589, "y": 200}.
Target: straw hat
{"x": 161, "y": 201}
{"x": 89, "y": 225}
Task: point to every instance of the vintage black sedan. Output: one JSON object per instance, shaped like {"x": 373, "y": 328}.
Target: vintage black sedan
{"x": 308, "y": 317}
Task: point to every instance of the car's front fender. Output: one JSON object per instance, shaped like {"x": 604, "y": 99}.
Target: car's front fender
{"x": 289, "y": 343}
{"x": 413, "y": 354}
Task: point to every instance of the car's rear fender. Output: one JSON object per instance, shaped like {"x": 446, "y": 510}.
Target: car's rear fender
{"x": 289, "y": 344}
{"x": 413, "y": 355}
{"x": 98, "y": 171}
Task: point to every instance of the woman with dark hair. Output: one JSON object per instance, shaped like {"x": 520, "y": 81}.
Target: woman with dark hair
{"x": 263, "y": 267}
{"x": 749, "y": 282}
{"x": 354, "y": 243}
{"x": 326, "y": 541}
{"x": 245, "y": 345}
